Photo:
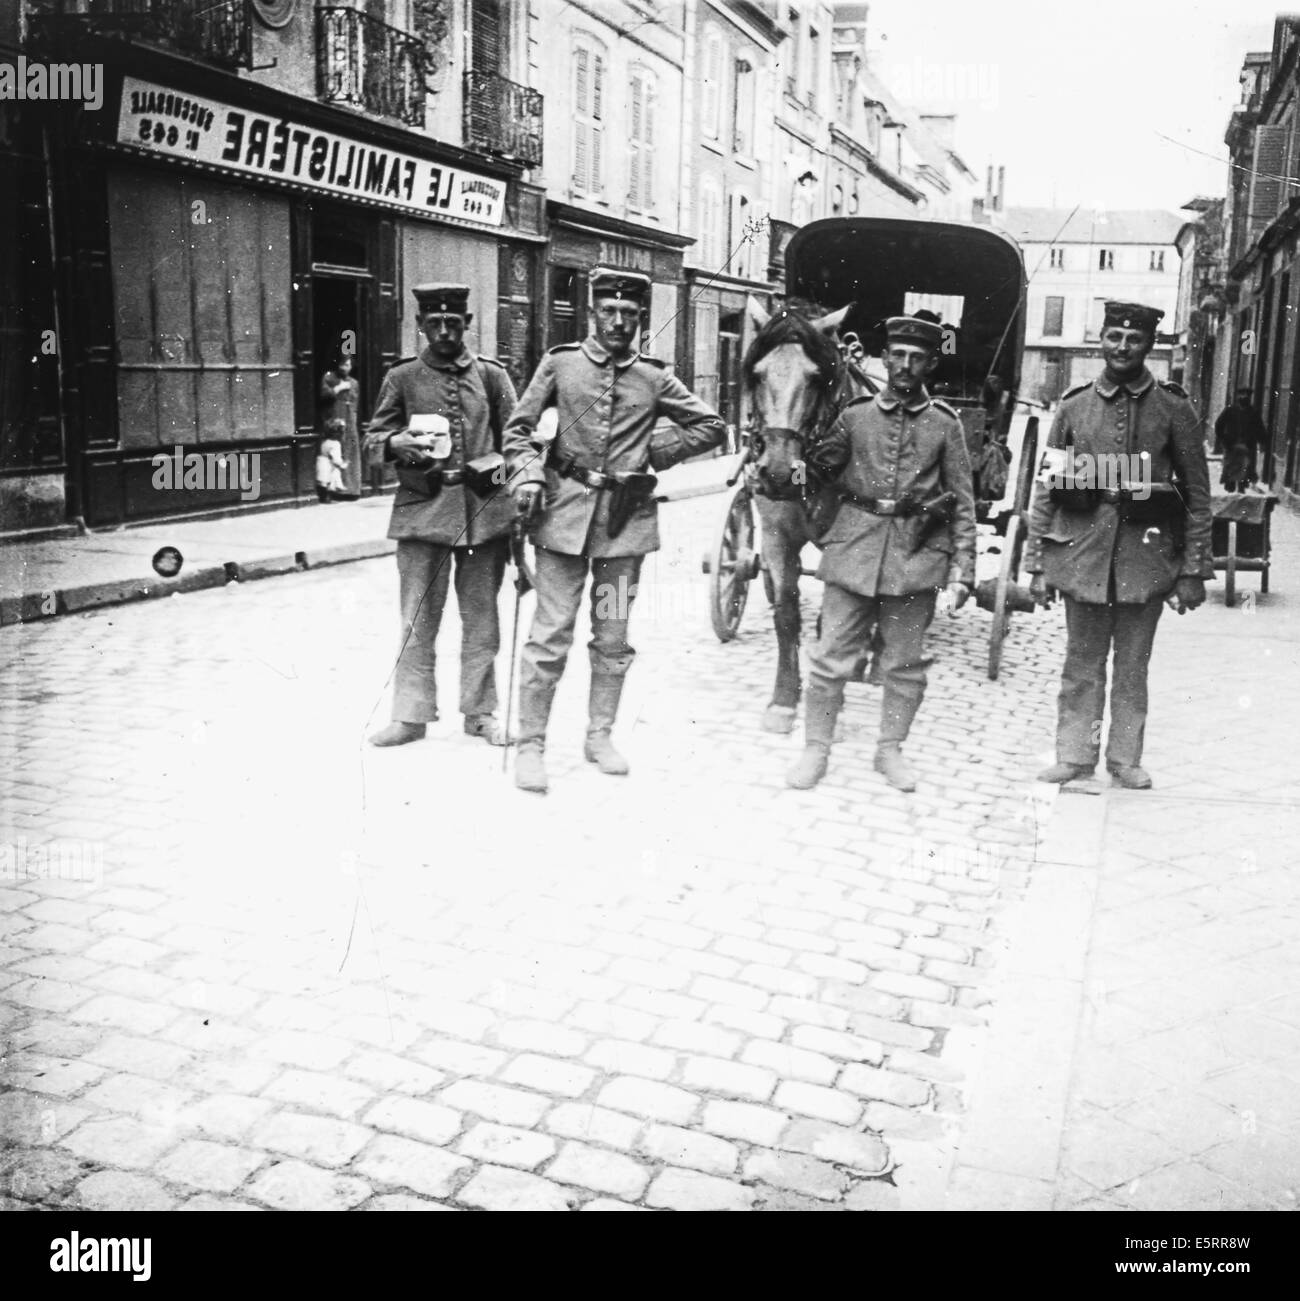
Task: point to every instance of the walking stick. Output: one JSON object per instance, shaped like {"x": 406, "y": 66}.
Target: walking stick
{"x": 523, "y": 585}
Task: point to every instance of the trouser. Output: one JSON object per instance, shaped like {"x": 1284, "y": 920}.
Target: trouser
{"x": 1091, "y": 631}
{"x": 559, "y": 583}
{"x": 424, "y": 572}
{"x": 847, "y": 621}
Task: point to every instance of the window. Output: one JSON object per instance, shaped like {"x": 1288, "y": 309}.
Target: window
{"x": 588, "y": 116}
{"x": 711, "y": 89}
{"x": 1157, "y": 259}
{"x": 1056, "y": 259}
{"x": 794, "y": 68}
{"x": 1106, "y": 259}
{"x": 709, "y": 227}
{"x": 1053, "y": 315}
{"x": 814, "y": 48}
{"x": 1095, "y": 318}
{"x": 641, "y": 119}
{"x": 739, "y": 248}
{"x": 742, "y": 140}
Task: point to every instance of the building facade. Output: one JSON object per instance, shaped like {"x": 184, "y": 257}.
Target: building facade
{"x": 1076, "y": 261}
{"x": 1257, "y": 341}
{"x": 257, "y": 192}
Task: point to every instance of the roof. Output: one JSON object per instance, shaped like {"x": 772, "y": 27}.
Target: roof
{"x": 1092, "y": 226}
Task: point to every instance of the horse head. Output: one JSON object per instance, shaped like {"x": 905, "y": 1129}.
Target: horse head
{"x": 794, "y": 371}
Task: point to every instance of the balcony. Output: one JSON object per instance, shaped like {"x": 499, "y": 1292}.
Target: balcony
{"x": 503, "y": 117}
{"x": 370, "y": 66}
{"x": 216, "y": 31}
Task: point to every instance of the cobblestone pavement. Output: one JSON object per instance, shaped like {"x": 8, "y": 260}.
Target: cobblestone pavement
{"x": 308, "y": 974}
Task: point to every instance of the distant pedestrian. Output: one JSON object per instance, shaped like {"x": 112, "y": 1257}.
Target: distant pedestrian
{"x": 330, "y": 463}
{"x": 340, "y": 396}
{"x": 440, "y": 416}
{"x": 1118, "y": 555}
{"x": 1238, "y": 434}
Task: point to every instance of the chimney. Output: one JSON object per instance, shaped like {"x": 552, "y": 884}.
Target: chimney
{"x": 1002, "y": 173}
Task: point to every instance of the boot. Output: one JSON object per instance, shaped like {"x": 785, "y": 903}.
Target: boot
{"x": 1060, "y": 773}
{"x": 602, "y": 709}
{"x": 821, "y": 709}
{"x": 399, "y": 733}
{"x": 1131, "y": 778}
{"x": 534, "y": 714}
{"x": 894, "y": 768}
{"x": 486, "y": 727}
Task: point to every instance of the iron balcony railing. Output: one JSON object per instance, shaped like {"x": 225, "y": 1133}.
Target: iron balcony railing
{"x": 216, "y": 31}
{"x": 503, "y": 117}
{"x": 368, "y": 65}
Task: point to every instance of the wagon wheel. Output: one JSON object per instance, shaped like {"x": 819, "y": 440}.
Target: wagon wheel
{"x": 1013, "y": 545}
{"x": 733, "y": 564}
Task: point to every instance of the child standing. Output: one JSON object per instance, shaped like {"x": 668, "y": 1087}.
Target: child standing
{"x": 329, "y": 461}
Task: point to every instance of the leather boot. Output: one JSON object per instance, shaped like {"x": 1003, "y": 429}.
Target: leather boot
{"x": 821, "y": 709}
{"x": 534, "y": 714}
{"x": 399, "y": 733}
{"x": 602, "y": 709}
{"x": 1060, "y": 773}
{"x": 893, "y": 767}
{"x": 1131, "y": 777}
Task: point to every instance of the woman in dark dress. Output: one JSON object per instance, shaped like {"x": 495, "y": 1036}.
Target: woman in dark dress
{"x": 340, "y": 397}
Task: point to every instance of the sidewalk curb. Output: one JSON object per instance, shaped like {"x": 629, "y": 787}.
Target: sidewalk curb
{"x": 37, "y": 607}
{"x": 34, "y": 607}
{"x": 1009, "y": 1151}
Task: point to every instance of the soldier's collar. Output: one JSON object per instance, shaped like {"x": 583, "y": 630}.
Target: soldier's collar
{"x": 591, "y": 346}
{"x": 461, "y": 362}
{"x": 1136, "y": 387}
{"x": 886, "y": 401}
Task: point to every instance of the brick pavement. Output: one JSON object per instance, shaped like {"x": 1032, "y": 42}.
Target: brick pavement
{"x": 308, "y": 974}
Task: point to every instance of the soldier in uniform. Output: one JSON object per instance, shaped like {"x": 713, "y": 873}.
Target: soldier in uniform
{"x": 1118, "y": 554}
{"x": 452, "y": 508}
{"x": 905, "y": 528}
{"x": 595, "y": 500}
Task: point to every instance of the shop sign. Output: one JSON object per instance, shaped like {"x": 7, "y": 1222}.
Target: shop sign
{"x": 627, "y": 256}
{"x": 158, "y": 120}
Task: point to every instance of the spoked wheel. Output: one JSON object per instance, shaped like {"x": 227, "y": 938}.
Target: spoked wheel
{"x": 1013, "y": 546}
{"x": 1011, "y": 550}
{"x": 733, "y": 564}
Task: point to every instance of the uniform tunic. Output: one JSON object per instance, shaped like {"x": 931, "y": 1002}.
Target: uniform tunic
{"x": 474, "y": 394}
{"x": 607, "y": 412}
{"x": 1115, "y": 575}
{"x": 883, "y": 448}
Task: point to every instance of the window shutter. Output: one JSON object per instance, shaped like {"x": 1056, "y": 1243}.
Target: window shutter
{"x": 597, "y": 146}
{"x": 634, "y": 161}
{"x": 580, "y": 81}
{"x": 1265, "y": 188}
{"x": 711, "y": 97}
{"x": 485, "y": 43}
{"x": 648, "y": 148}
{"x": 597, "y": 86}
{"x": 581, "y": 131}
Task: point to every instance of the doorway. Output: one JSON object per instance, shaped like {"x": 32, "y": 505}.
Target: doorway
{"x": 729, "y": 328}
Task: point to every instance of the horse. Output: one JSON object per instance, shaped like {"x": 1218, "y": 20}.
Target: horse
{"x": 798, "y": 380}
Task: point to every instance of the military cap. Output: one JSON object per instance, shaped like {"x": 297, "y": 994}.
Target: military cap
{"x": 631, "y": 285}
{"x": 1132, "y": 316}
{"x": 442, "y": 298}
{"x": 912, "y": 329}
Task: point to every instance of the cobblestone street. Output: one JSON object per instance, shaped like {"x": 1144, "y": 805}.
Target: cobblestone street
{"x": 316, "y": 975}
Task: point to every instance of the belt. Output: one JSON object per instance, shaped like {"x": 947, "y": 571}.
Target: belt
{"x": 570, "y": 469}
{"x": 1121, "y": 496}
{"x": 880, "y": 505}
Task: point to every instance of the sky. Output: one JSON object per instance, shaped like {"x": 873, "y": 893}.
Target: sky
{"x": 1113, "y": 104}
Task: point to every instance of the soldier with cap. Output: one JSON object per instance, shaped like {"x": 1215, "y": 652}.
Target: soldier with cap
{"x": 905, "y": 529}
{"x": 441, "y": 416}
{"x": 589, "y": 494}
{"x": 1133, "y": 538}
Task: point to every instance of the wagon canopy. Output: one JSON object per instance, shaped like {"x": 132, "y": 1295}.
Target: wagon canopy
{"x": 884, "y": 265}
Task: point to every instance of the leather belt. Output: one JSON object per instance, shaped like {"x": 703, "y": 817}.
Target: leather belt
{"x": 880, "y": 505}
{"x": 570, "y": 469}
{"x": 1121, "y": 496}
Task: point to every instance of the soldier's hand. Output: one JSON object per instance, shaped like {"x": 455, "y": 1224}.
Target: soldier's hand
{"x": 957, "y": 595}
{"x": 528, "y": 502}
{"x": 1188, "y": 593}
{"x": 1039, "y": 592}
{"x": 411, "y": 449}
